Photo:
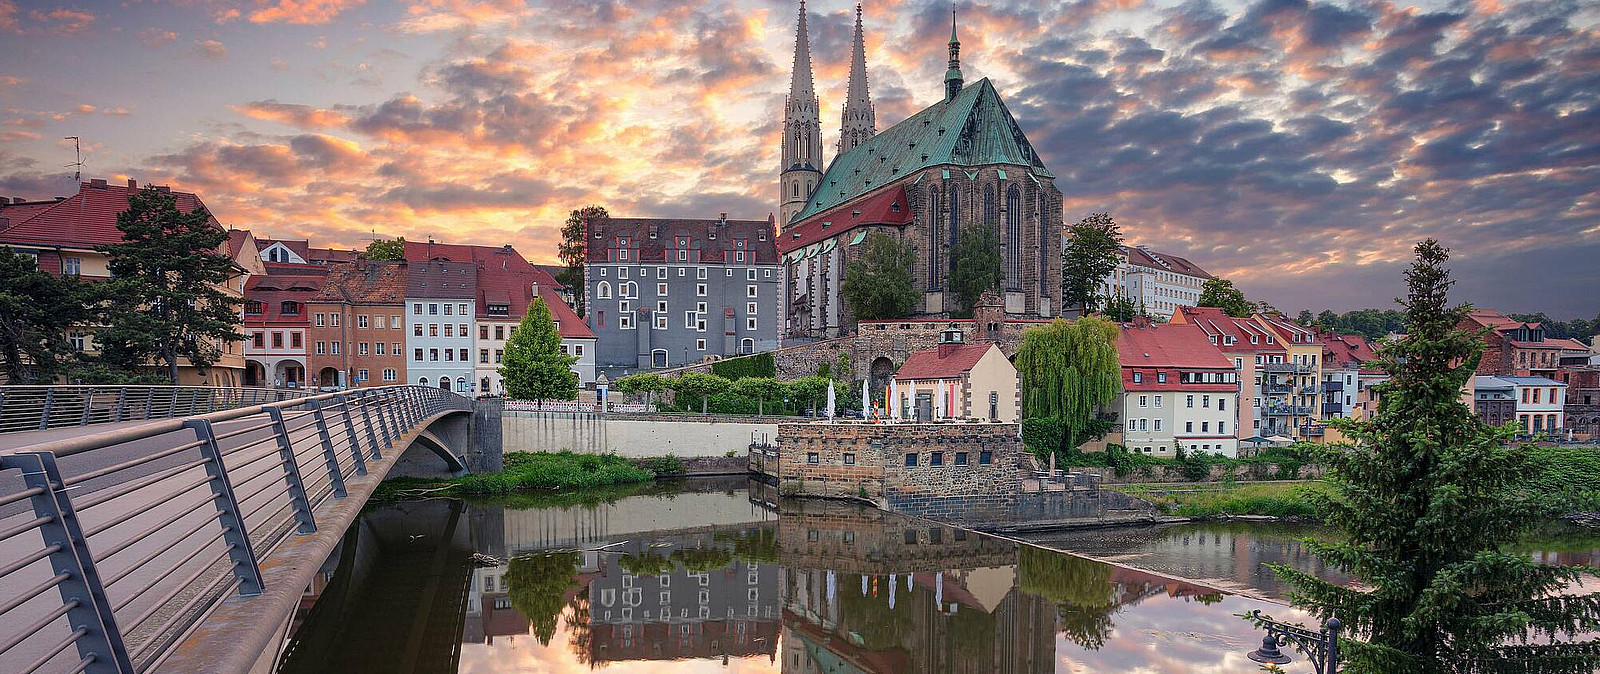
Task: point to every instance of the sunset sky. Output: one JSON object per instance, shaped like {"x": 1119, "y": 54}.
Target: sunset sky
{"x": 1299, "y": 148}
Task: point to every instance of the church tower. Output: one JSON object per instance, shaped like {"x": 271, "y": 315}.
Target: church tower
{"x": 802, "y": 131}
{"x": 952, "y": 77}
{"x": 857, "y": 122}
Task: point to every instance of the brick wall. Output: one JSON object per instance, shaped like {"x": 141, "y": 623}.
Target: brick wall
{"x": 869, "y": 460}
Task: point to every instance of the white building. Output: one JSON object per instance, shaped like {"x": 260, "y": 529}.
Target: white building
{"x": 1178, "y": 390}
{"x": 440, "y": 320}
{"x": 1156, "y": 282}
{"x": 1540, "y": 402}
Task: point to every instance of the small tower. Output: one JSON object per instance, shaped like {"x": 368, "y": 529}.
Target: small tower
{"x": 802, "y": 132}
{"x": 857, "y": 122}
{"x": 952, "y": 77}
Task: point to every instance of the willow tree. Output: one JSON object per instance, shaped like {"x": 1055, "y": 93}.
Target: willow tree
{"x": 1069, "y": 370}
{"x": 1431, "y": 501}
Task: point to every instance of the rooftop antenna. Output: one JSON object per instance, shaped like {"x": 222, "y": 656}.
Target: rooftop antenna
{"x": 77, "y": 163}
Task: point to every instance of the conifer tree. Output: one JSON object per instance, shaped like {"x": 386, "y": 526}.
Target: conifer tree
{"x": 36, "y": 311}
{"x": 166, "y": 302}
{"x": 1429, "y": 498}
{"x": 534, "y": 367}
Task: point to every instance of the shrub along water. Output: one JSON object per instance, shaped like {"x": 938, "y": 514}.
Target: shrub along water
{"x": 525, "y": 471}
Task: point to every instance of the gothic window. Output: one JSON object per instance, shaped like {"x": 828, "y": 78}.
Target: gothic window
{"x": 988, "y": 206}
{"x": 934, "y": 222}
{"x": 955, "y": 225}
{"x": 1014, "y": 238}
{"x": 1045, "y": 245}
{"x": 797, "y": 189}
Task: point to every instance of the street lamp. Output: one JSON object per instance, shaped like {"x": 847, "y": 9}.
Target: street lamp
{"x": 1322, "y": 646}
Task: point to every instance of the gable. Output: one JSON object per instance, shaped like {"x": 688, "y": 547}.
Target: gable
{"x": 277, "y": 252}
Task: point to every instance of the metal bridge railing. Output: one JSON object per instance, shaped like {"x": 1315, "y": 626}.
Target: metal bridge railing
{"x": 114, "y": 546}
{"x": 37, "y": 408}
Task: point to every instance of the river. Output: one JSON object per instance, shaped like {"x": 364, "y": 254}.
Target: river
{"x": 701, "y": 576}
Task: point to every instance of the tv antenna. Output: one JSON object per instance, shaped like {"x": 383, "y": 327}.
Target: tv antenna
{"x": 77, "y": 163}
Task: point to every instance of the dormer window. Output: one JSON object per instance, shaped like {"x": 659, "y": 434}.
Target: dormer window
{"x": 503, "y": 309}
{"x": 289, "y": 308}
{"x": 252, "y": 308}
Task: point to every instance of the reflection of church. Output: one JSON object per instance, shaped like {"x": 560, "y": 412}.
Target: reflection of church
{"x": 962, "y": 161}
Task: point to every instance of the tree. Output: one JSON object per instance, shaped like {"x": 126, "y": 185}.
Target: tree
{"x": 166, "y": 300}
{"x": 977, "y": 256}
{"x": 808, "y": 391}
{"x": 386, "y": 250}
{"x": 759, "y": 389}
{"x": 1093, "y": 245}
{"x": 537, "y": 585}
{"x": 697, "y": 385}
{"x": 534, "y": 367}
{"x": 648, "y": 383}
{"x": 36, "y": 311}
{"x": 1305, "y": 319}
{"x": 1069, "y": 368}
{"x": 1121, "y": 309}
{"x": 1219, "y": 292}
{"x": 1430, "y": 500}
{"x": 574, "y": 250}
{"x": 878, "y": 284}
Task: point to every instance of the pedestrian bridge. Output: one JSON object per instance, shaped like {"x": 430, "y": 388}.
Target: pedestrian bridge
{"x": 174, "y": 529}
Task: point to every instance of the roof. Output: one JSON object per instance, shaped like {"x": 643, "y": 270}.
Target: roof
{"x": 943, "y": 362}
{"x": 1568, "y": 344}
{"x": 1144, "y": 257}
{"x": 505, "y": 277}
{"x": 648, "y": 238}
{"x": 887, "y": 207}
{"x": 271, "y": 291}
{"x": 86, "y": 219}
{"x": 236, "y": 239}
{"x": 1346, "y": 349}
{"x": 1532, "y": 381}
{"x": 1287, "y": 329}
{"x": 972, "y": 129}
{"x": 437, "y": 278}
{"x": 571, "y": 325}
{"x": 487, "y": 258}
{"x": 1215, "y": 321}
{"x": 292, "y": 269}
{"x": 1490, "y": 318}
{"x": 364, "y": 282}
{"x": 1182, "y": 345}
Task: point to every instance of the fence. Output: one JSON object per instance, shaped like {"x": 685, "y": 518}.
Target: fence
{"x": 36, "y": 408}
{"x": 575, "y": 406}
{"x": 114, "y": 546}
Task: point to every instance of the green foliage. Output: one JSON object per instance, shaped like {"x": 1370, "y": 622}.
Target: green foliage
{"x": 1430, "y": 499}
{"x": 697, "y": 386}
{"x": 667, "y": 465}
{"x": 755, "y": 365}
{"x": 166, "y": 302}
{"x": 386, "y": 250}
{"x": 1219, "y": 292}
{"x": 1121, "y": 309}
{"x": 534, "y": 367}
{"x": 809, "y": 391}
{"x": 647, "y": 563}
{"x": 702, "y": 560}
{"x": 574, "y": 250}
{"x": 977, "y": 266}
{"x": 1080, "y": 588}
{"x": 1195, "y": 465}
{"x": 758, "y": 390}
{"x": 537, "y": 586}
{"x": 1277, "y": 499}
{"x": 756, "y": 546}
{"x": 1091, "y": 253}
{"x": 1068, "y": 370}
{"x": 36, "y": 311}
{"x": 647, "y": 383}
{"x": 523, "y": 471}
{"x": 878, "y": 284}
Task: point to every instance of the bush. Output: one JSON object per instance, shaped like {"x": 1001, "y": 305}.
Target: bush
{"x": 543, "y": 470}
{"x": 734, "y": 369}
{"x": 667, "y": 465}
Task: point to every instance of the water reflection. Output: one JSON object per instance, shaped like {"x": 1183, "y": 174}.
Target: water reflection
{"x": 707, "y": 579}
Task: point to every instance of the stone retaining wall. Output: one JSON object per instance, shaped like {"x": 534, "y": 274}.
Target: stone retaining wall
{"x": 1245, "y": 473}
{"x": 634, "y": 436}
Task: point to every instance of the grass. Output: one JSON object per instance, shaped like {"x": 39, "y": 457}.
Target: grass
{"x": 1276, "y": 499}
{"x": 524, "y": 471}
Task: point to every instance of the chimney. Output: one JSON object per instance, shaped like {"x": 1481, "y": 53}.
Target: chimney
{"x": 723, "y": 219}
{"x": 949, "y": 339}
{"x": 133, "y": 184}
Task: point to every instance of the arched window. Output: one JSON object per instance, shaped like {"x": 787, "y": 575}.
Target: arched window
{"x": 989, "y": 207}
{"x": 1049, "y": 244}
{"x": 955, "y": 225}
{"x": 423, "y": 381}
{"x": 603, "y": 291}
{"x": 747, "y": 345}
{"x": 1014, "y": 238}
{"x": 797, "y": 189}
{"x": 935, "y": 271}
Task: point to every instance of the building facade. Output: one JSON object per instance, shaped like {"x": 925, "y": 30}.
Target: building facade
{"x": 1157, "y": 283}
{"x": 1178, "y": 389}
{"x": 963, "y": 160}
{"x": 1294, "y": 387}
{"x": 663, "y": 293}
{"x": 358, "y": 330}
{"x": 955, "y": 380}
{"x": 1251, "y": 348}
{"x": 1515, "y": 348}
{"x": 440, "y": 298}
{"x": 277, "y": 318}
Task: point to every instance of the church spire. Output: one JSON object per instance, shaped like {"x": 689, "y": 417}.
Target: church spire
{"x": 802, "y": 131}
{"x": 857, "y": 122}
{"x": 952, "y": 77}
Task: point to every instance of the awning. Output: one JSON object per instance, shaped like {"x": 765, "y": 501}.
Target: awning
{"x": 1279, "y": 438}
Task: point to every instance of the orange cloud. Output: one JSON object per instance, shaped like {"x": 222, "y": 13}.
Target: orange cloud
{"x": 302, "y": 116}
{"x": 303, "y": 12}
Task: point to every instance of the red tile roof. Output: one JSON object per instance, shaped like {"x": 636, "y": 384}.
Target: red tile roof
{"x": 886, "y": 207}
{"x": 1287, "y": 329}
{"x": 85, "y": 220}
{"x": 945, "y": 362}
{"x": 1180, "y": 345}
{"x": 1490, "y": 318}
{"x": 572, "y": 326}
{"x": 1568, "y": 344}
{"x": 1215, "y": 321}
{"x": 1346, "y": 349}
{"x": 272, "y": 291}
{"x": 714, "y": 239}
{"x": 505, "y": 277}
{"x": 365, "y": 283}
{"x": 488, "y": 258}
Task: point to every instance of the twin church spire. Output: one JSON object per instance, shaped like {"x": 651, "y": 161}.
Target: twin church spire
{"x": 802, "y": 123}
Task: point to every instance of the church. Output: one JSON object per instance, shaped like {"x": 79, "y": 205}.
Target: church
{"x": 961, "y": 160}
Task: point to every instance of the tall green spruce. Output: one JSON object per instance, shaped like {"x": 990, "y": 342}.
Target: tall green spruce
{"x": 1430, "y": 499}
{"x": 36, "y": 311}
{"x": 1069, "y": 369}
{"x": 165, "y": 299}
{"x": 574, "y": 250}
{"x": 534, "y": 367}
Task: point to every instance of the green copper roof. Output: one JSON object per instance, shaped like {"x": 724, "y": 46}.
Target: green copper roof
{"x": 972, "y": 129}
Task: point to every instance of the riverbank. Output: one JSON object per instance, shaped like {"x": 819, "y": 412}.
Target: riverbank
{"x": 526, "y": 471}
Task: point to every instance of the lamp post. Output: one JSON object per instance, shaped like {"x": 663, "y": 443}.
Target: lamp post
{"x": 1322, "y": 646}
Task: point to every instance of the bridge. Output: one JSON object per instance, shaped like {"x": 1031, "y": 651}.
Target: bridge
{"x": 174, "y": 529}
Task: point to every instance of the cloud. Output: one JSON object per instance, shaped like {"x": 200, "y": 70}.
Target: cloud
{"x": 211, "y": 49}
{"x": 302, "y": 116}
{"x": 303, "y": 12}
{"x": 59, "y": 21}
{"x": 155, "y": 37}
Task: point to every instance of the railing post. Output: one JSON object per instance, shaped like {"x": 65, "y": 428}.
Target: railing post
{"x": 291, "y": 473}
{"x": 122, "y": 402}
{"x": 101, "y": 641}
{"x": 243, "y": 554}
{"x": 335, "y": 475}
{"x": 88, "y": 401}
{"x": 366, "y": 418}
{"x": 350, "y": 432}
{"x": 49, "y": 399}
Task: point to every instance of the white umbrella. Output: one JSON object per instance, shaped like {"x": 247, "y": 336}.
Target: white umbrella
{"x": 830, "y": 399}
{"x": 889, "y": 395}
{"x": 866, "y": 402}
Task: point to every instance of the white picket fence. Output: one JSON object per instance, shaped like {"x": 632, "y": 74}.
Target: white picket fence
{"x": 575, "y": 406}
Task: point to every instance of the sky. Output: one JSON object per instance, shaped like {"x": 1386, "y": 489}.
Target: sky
{"x": 1298, "y": 147}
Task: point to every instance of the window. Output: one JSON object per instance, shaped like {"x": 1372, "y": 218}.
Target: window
{"x": 295, "y": 341}
{"x": 320, "y": 319}
{"x": 1222, "y": 404}
{"x": 433, "y": 309}
{"x": 499, "y": 355}
{"x": 361, "y": 349}
{"x": 1144, "y": 401}
{"x": 1222, "y": 427}
{"x": 603, "y": 291}
{"x": 747, "y": 345}
{"x": 661, "y": 289}
{"x": 849, "y": 459}
{"x": 911, "y": 460}
{"x": 333, "y": 319}
{"x": 433, "y": 329}
{"x": 334, "y": 347}
{"x": 394, "y": 323}
{"x": 461, "y": 309}
{"x": 700, "y": 272}
{"x": 390, "y": 374}
{"x": 483, "y": 332}
{"x": 1158, "y": 400}
{"x": 985, "y": 457}
{"x": 463, "y": 353}
{"x": 1144, "y": 425}
{"x": 379, "y": 348}
{"x": 416, "y": 355}
{"x": 256, "y": 340}
{"x": 483, "y": 355}
{"x": 1188, "y": 426}
{"x": 577, "y": 349}
{"x": 416, "y": 330}
{"x": 750, "y": 291}
{"x": 750, "y": 323}
{"x": 1205, "y": 427}
{"x": 416, "y": 309}
{"x": 1188, "y": 401}
{"x": 1138, "y": 377}
{"x": 433, "y": 354}
{"x": 961, "y": 458}
{"x": 936, "y": 459}
{"x": 71, "y": 266}
{"x": 812, "y": 458}
{"x": 1133, "y": 425}
{"x": 751, "y": 308}
{"x": 361, "y": 375}
{"x": 361, "y": 321}
{"x": 1205, "y": 402}
{"x": 1156, "y": 425}
{"x": 700, "y": 345}
{"x": 700, "y": 290}
{"x": 1161, "y": 377}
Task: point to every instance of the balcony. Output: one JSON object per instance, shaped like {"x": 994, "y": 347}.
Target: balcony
{"x": 1332, "y": 409}
{"x": 1332, "y": 386}
{"x": 1314, "y": 430}
{"x": 1308, "y": 391}
{"x": 1293, "y": 368}
{"x": 1288, "y": 410}
{"x": 1278, "y": 389}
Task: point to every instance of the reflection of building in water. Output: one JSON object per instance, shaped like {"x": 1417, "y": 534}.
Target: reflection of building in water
{"x": 489, "y": 610}
{"x": 868, "y": 591}
{"x": 690, "y": 596}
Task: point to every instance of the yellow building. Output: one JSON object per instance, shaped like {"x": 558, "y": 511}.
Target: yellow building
{"x": 957, "y": 381}
{"x": 1299, "y": 379}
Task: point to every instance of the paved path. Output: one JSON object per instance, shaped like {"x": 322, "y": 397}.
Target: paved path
{"x": 13, "y": 442}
